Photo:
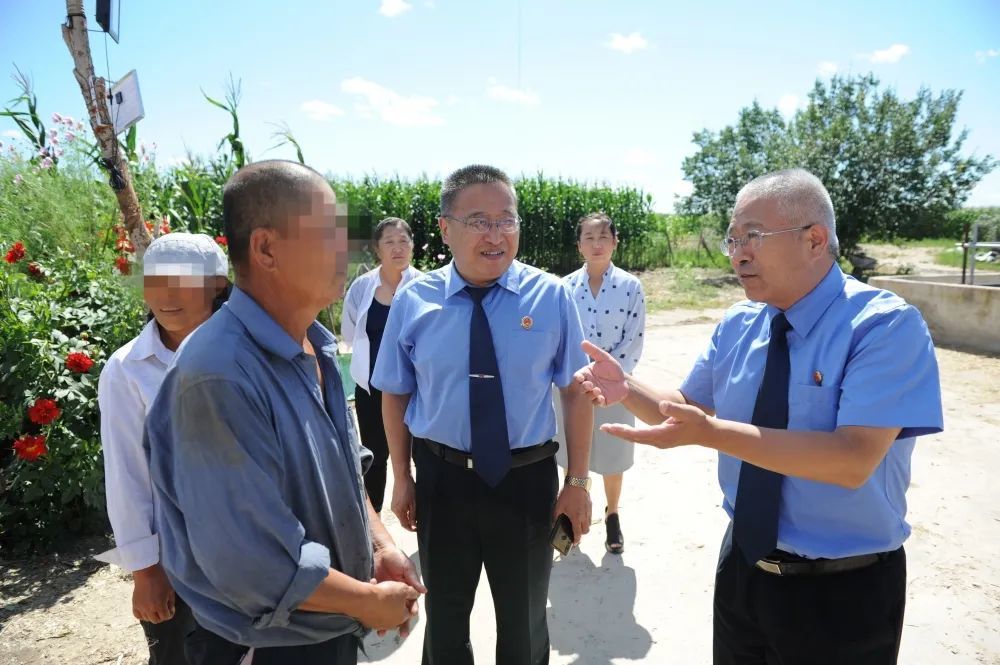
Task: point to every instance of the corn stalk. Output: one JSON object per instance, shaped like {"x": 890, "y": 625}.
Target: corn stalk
{"x": 95, "y": 97}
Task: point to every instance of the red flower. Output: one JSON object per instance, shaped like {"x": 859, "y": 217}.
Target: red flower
{"x": 165, "y": 225}
{"x": 29, "y": 448}
{"x": 43, "y": 411}
{"x": 123, "y": 244}
{"x": 222, "y": 241}
{"x": 15, "y": 253}
{"x": 79, "y": 361}
{"x": 149, "y": 226}
{"x": 35, "y": 270}
{"x": 124, "y": 267}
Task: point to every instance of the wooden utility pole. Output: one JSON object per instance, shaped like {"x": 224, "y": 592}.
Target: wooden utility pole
{"x": 95, "y": 96}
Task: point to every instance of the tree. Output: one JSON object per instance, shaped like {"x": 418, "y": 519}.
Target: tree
{"x": 888, "y": 163}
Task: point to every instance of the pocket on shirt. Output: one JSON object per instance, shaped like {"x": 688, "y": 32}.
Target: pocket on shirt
{"x": 529, "y": 351}
{"x": 813, "y": 407}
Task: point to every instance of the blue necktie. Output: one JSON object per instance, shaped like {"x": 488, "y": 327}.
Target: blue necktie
{"x": 758, "y": 495}
{"x": 487, "y": 412}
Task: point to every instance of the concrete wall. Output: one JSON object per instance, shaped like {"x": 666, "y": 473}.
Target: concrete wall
{"x": 958, "y": 315}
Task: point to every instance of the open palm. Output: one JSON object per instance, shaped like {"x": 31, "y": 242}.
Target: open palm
{"x": 604, "y": 379}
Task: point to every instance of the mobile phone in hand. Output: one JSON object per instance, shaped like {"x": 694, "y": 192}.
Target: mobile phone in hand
{"x": 561, "y": 535}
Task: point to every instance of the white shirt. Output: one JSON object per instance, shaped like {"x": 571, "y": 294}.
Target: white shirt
{"x": 616, "y": 318}
{"x": 125, "y": 391}
{"x": 354, "y": 319}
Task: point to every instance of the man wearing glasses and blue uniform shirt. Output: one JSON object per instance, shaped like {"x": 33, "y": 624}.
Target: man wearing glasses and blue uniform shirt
{"x": 470, "y": 354}
{"x": 819, "y": 386}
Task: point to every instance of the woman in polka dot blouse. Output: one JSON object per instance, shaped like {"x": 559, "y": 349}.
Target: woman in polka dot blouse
{"x": 613, "y": 312}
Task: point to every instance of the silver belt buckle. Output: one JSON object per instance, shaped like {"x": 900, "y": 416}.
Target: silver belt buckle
{"x": 769, "y": 567}
{"x": 468, "y": 463}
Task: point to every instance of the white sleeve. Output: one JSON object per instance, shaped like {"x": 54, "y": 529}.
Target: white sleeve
{"x": 349, "y": 315}
{"x": 629, "y": 350}
{"x": 126, "y": 471}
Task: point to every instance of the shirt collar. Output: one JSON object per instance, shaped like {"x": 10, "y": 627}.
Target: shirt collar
{"x": 510, "y": 280}
{"x": 149, "y": 343}
{"x": 584, "y": 277}
{"x": 266, "y": 331}
{"x": 408, "y": 274}
{"x": 804, "y": 314}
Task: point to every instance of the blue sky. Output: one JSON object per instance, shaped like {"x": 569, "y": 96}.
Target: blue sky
{"x": 607, "y": 90}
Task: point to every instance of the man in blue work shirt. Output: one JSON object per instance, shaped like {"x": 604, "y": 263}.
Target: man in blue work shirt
{"x": 265, "y": 528}
{"x": 470, "y": 355}
{"x": 819, "y": 385}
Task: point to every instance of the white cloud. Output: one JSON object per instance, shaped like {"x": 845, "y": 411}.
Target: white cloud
{"x": 639, "y": 157}
{"x": 983, "y": 56}
{"x": 393, "y": 108}
{"x": 393, "y": 8}
{"x": 503, "y": 93}
{"x": 827, "y": 68}
{"x": 627, "y": 43}
{"x": 789, "y": 104}
{"x": 11, "y": 133}
{"x": 320, "y": 110}
{"x": 891, "y": 55}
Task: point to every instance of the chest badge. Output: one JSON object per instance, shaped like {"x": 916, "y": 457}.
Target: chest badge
{"x": 527, "y": 322}
{"x": 818, "y": 377}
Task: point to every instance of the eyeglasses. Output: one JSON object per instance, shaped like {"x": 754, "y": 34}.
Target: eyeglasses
{"x": 753, "y": 239}
{"x": 482, "y": 225}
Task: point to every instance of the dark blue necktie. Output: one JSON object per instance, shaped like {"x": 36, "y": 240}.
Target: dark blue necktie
{"x": 487, "y": 412}
{"x": 758, "y": 496}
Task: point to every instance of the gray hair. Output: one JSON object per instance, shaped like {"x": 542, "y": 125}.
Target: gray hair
{"x": 474, "y": 174}
{"x": 802, "y": 199}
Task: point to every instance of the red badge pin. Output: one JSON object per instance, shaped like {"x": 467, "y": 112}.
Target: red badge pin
{"x": 818, "y": 377}
{"x": 526, "y": 322}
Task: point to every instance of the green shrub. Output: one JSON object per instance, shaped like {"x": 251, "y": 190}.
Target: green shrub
{"x": 55, "y": 304}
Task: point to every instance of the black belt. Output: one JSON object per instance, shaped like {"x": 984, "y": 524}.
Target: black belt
{"x": 783, "y": 563}
{"x": 518, "y": 456}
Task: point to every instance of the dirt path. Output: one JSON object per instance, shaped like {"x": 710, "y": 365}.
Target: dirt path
{"x": 653, "y": 604}
{"x": 893, "y": 260}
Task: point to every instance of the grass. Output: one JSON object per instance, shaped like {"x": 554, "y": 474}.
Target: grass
{"x": 950, "y": 257}
{"x": 689, "y": 288}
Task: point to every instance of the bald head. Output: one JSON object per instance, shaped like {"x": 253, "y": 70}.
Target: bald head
{"x": 266, "y": 195}
{"x": 801, "y": 199}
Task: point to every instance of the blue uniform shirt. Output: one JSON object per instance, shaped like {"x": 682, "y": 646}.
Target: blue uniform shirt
{"x": 859, "y": 356}
{"x": 425, "y": 352}
{"x": 256, "y": 477}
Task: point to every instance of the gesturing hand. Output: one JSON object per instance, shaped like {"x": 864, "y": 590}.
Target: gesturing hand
{"x": 684, "y": 424}
{"x": 602, "y": 380}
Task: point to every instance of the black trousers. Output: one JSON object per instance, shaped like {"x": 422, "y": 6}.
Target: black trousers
{"x": 166, "y": 639}
{"x": 206, "y": 648}
{"x": 463, "y": 525}
{"x": 850, "y": 618}
{"x": 369, "y": 408}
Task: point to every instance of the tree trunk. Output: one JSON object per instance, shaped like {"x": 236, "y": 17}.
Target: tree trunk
{"x": 95, "y": 96}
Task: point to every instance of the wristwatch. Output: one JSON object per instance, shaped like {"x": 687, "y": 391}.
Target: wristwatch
{"x": 583, "y": 483}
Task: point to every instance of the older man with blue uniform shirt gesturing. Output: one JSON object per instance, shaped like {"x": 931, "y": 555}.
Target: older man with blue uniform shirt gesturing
{"x": 265, "y": 528}
{"x": 818, "y": 386}
{"x": 473, "y": 351}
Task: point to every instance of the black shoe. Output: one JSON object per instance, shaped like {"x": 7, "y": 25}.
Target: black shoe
{"x": 615, "y": 541}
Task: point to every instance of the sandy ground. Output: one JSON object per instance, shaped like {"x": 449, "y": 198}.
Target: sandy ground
{"x": 653, "y": 604}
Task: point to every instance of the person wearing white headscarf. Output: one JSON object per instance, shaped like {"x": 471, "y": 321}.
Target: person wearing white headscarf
{"x": 185, "y": 279}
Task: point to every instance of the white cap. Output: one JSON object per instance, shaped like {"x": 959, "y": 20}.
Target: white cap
{"x": 185, "y": 254}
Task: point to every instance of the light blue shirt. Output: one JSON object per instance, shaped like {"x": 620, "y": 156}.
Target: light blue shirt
{"x": 256, "y": 477}
{"x": 859, "y": 356}
{"x": 616, "y": 318}
{"x": 425, "y": 352}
